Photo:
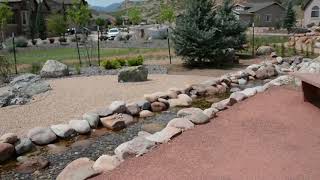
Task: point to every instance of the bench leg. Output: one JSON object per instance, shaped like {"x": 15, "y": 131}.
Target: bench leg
{"x": 311, "y": 93}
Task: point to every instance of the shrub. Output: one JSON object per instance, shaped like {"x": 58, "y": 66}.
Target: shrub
{"x": 73, "y": 39}
{"x": 121, "y": 61}
{"x": 35, "y": 68}
{"x": 34, "y": 42}
{"x": 136, "y": 61}
{"x": 62, "y": 39}
{"x": 78, "y": 69}
{"x": 51, "y": 40}
{"x": 5, "y": 67}
{"x": 110, "y": 64}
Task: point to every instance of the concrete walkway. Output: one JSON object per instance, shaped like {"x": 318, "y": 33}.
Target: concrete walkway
{"x": 273, "y": 135}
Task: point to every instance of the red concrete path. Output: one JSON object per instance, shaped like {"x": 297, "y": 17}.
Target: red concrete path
{"x": 272, "y": 136}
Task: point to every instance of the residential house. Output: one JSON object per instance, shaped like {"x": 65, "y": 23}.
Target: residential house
{"x": 263, "y": 14}
{"x": 24, "y": 9}
{"x": 311, "y": 12}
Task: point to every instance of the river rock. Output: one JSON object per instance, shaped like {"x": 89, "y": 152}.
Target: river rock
{"x": 237, "y": 97}
{"x": 185, "y": 98}
{"x": 133, "y": 109}
{"x": 189, "y": 112}
{"x": 154, "y": 96}
{"x": 194, "y": 115}
{"x": 6, "y": 151}
{"x": 310, "y": 67}
{"x": 210, "y": 90}
{"x": 145, "y": 114}
{"x": 133, "y": 74}
{"x": 144, "y": 104}
{"x": 104, "y": 112}
{"x": 62, "y": 130}
{"x": 164, "y": 135}
{"x": 42, "y": 136}
{"x": 54, "y": 69}
{"x": 78, "y": 169}
{"x": 80, "y": 126}
{"x": 92, "y": 118}
{"x": 249, "y": 92}
{"x": 106, "y": 163}
{"x": 210, "y": 112}
{"x": 118, "y": 107}
{"x": 158, "y": 107}
{"x": 136, "y": 147}
{"x": 115, "y": 122}
{"x": 152, "y": 127}
{"x": 31, "y": 165}
{"x": 221, "y": 105}
{"x": 235, "y": 89}
{"x": 242, "y": 81}
{"x": 10, "y": 138}
{"x": 23, "y": 145}
{"x": 181, "y": 123}
{"x": 265, "y": 72}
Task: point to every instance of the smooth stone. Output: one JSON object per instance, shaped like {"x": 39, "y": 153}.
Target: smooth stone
{"x": 237, "y": 97}
{"x": 188, "y": 112}
{"x": 235, "y": 89}
{"x": 185, "y": 98}
{"x": 146, "y": 113}
{"x": 92, "y": 118}
{"x": 154, "y": 96}
{"x": 181, "y": 123}
{"x": 10, "y": 138}
{"x": 41, "y": 136}
{"x": 242, "y": 81}
{"x": 106, "y": 163}
{"x": 164, "y": 135}
{"x": 23, "y": 145}
{"x": 158, "y": 107}
{"x": 115, "y": 122}
{"x": 54, "y": 69}
{"x": 133, "y": 109}
{"x": 118, "y": 107}
{"x": 249, "y": 92}
{"x": 79, "y": 169}
{"x": 104, "y": 112}
{"x": 31, "y": 165}
{"x": 221, "y": 105}
{"x": 80, "y": 126}
{"x": 62, "y": 130}
{"x": 152, "y": 127}
{"x": 210, "y": 112}
{"x": 136, "y": 147}
{"x": 6, "y": 151}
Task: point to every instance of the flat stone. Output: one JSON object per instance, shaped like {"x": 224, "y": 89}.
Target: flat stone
{"x": 136, "y": 147}
{"x": 164, "y": 135}
{"x": 92, "y": 118}
{"x": 181, "y": 123}
{"x": 106, "y": 163}
{"x": 118, "y": 107}
{"x": 80, "y": 126}
{"x": 23, "y": 145}
{"x": 31, "y": 165}
{"x": 6, "y": 151}
{"x": 78, "y": 169}
{"x": 62, "y": 130}
{"x": 10, "y": 138}
{"x": 116, "y": 122}
{"x": 146, "y": 113}
{"x": 41, "y": 136}
{"x": 104, "y": 112}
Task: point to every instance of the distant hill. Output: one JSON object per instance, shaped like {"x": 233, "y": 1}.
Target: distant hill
{"x": 111, "y": 8}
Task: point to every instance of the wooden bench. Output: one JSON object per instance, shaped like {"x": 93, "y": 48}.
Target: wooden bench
{"x": 310, "y": 87}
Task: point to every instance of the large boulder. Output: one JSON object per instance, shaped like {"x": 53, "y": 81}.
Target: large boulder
{"x": 78, "y": 169}
{"x": 42, "y": 136}
{"x": 310, "y": 67}
{"x": 6, "y": 151}
{"x": 54, "y": 69}
{"x": 264, "y": 50}
{"x": 133, "y": 74}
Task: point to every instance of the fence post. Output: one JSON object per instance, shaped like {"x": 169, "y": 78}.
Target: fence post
{"x": 253, "y": 49}
{"x": 98, "y": 30}
{"x": 169, "y": 45}
{"x": 75, "y": 34}
{"x": 14, "y": 54}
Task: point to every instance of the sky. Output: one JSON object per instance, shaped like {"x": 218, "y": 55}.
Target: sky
{"x": 102, "y": 2}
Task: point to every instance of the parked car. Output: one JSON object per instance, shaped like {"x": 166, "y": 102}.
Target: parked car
{"x": 112, "y": 33}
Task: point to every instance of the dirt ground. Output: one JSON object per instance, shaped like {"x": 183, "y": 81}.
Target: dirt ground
{"x": 273, "y": 135}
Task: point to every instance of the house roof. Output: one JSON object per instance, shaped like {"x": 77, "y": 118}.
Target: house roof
{"x": 256, "y": 6}
{"x": 306, "y": 4}
{"x": 10, "y": 1}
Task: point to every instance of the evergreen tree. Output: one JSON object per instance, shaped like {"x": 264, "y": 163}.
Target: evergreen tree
{"x": 204, "y": 33}
{"x": 41, "y": 23}
{"x": 5, "y": 15}
{"x": 290, "y": 19}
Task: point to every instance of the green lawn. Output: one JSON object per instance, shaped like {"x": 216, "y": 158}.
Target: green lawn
{"x": 70, "y": 54}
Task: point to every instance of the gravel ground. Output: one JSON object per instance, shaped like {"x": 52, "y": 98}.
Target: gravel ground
{"x": 71, "y": 97}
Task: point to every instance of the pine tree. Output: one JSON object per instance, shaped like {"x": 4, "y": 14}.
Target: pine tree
{"x": 290, "y": 19}
{"x": 204, "y": 33}
{"x": 41, "y": 23}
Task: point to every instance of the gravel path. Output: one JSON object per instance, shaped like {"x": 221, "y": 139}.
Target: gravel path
{"x": 273, "y": 135}
{"x": 71, "y": 97}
